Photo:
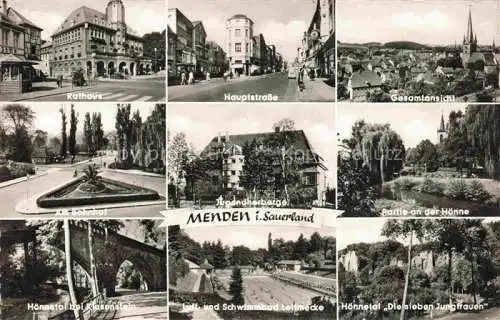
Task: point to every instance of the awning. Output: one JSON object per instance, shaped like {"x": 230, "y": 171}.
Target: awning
{"x": 12, "y": 59}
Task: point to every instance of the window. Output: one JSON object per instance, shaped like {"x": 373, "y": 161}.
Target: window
{"x": 246, "y": 48}
{"x": 233, "y": 160}
{"x": 233, "y": 172}
{"x": 246, "y": 33}
{"x": 237, "y": 47}
{"x": 237, "y": 33}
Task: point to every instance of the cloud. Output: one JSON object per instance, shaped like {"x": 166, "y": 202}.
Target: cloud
{"x": 48, "y": 21}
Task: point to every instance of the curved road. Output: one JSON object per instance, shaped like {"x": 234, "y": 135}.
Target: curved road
{"x": 11, "y": 196}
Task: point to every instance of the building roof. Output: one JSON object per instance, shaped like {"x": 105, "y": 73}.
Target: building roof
{"x": 300, "y": 142}
{"x": 23, "y": 19}
{"x": 81, "y": 15}
{"x": 206, "y": 265}
{"x": 47, "y": 44}
{"x": 240, "y": 16}
{"x": 365, "y": 79}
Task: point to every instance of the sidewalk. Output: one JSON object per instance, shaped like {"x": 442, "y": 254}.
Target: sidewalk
{"x": 137, "y": 173}
{"x": 24, "y": 179}
{"x": 44, "y": 89}
{"x": 318, "y": 90}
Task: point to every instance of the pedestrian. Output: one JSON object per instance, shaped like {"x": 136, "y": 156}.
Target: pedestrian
{"x": 60, "y": 81}
{"x": 226, "y": 75}
{"x": 183, "y": 78}
{"x": 191, "y": 77}
{"x": 208, "y": 76}
{"x": 300, "y": 79}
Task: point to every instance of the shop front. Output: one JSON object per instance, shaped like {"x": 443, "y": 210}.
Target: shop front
{"x": 16, "y": 74}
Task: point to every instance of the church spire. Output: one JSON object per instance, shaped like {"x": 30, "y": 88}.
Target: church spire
{"x": 441, "y": 125}
{"x": 470, "y": 33}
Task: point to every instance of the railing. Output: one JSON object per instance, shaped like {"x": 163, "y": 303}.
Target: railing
{"x": 85, "y": 309}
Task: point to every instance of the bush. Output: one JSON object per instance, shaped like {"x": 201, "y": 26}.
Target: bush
{"x": 430, "y": 186}
{"x": 456, "y": 189}
{"x": 405, "y": 184}
{"x": 475, "y": 192}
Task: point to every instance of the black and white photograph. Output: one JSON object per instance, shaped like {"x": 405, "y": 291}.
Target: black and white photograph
{"x": 265, "y": 156}
{"x": 75, "y": 269}
{"x": 418, "y": 51}
{"x": 419, "y": 160}
{"x": 252, "y": 272}
{"x": 418, "y": 269}
{"x": 111, "y": 50}
{"x": 82, "y": 160}
{"x": 251, "y": 51}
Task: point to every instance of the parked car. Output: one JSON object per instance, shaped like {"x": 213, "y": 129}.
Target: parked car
{"x": 292, "y": 73}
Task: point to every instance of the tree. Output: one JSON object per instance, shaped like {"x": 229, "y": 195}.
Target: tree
{"x": 285, "y": 124}
{"x": 73, "y": 122}
{"x": 316, "y": 242}
{"x": 97, "y": 131}
{"x": 405, "y": 229}
{"x": 18, "y": 121}
{"x": 123, "y": 127}
{"x": 257, "y": 173}
{"x": 177, "y": 156}
{"x": 87, "y": 134}
{"x": 483, "y": 132}
{"x": 69, "y": 267}
{"x": 427, "y": 156}
{"x": 155, "y": 40}
{"x": 64, "y": 142}
{"x": 301, "y": 248}
{"x": 93, "y": 272}
{"x": 236, "y": 287}
{"x": 40, "y": 138}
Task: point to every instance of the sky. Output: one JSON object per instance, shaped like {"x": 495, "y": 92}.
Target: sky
{"x": 48, "y": 117}
{"x": 282, "y": 22}
{"x": 202, "y": 122}
{"x": 143, "y": 16}
{"x": 368, "y": 230}
{"x": 434, "y": 22}
{"x": 253, "y": 237}
{"x": 413, "y": 122}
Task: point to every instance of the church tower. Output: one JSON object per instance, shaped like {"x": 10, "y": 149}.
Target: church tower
{"x": 441, "y": 132}
{"x": 470, "y": 40}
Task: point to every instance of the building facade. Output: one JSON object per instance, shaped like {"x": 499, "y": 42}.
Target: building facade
{"x": 317, "y": 49}
{"x": 216, "y": 58}
{"x": 19, "y": 50}
{"x": 239, "y": 43}
{"x": 199, "y": 47}
{"x": 46, "y": 59}
{"x": 101, "y": 44}
{"x": 171, "y": 53}
{"x": 260, "y": 56}
{"x": 229, "y": 149}
{"x": 182, "y": 28}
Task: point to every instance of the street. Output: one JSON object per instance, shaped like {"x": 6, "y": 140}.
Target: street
{"x": 152, "y": 90}
{"x": 11, "y": 196}
{"x": 274, "y": 83}
{"x": 139, "y": 306}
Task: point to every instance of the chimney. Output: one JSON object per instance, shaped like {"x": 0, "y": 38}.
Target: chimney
{"x": 218, "y": 137}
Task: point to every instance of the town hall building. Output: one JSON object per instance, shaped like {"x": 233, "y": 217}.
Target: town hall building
{"x": 102, "y": 44}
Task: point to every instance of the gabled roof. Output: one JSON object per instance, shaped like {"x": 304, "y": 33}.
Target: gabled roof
{"x": 23, "y": 20}
{"x": 365, "y": 79}
{"x": 81, "y": 15}
{"x": 300, "y": 142}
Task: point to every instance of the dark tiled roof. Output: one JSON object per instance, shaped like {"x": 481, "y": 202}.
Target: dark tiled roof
{"x": 240, "y": 16}
{"x": 300, "y": 141}
{"x": 81, "y": 15}
{"x": 365, "y": 79}
{"x": 23, "y": 19}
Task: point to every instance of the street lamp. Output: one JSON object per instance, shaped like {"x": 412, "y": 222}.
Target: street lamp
{"x": 155, "y": 61}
